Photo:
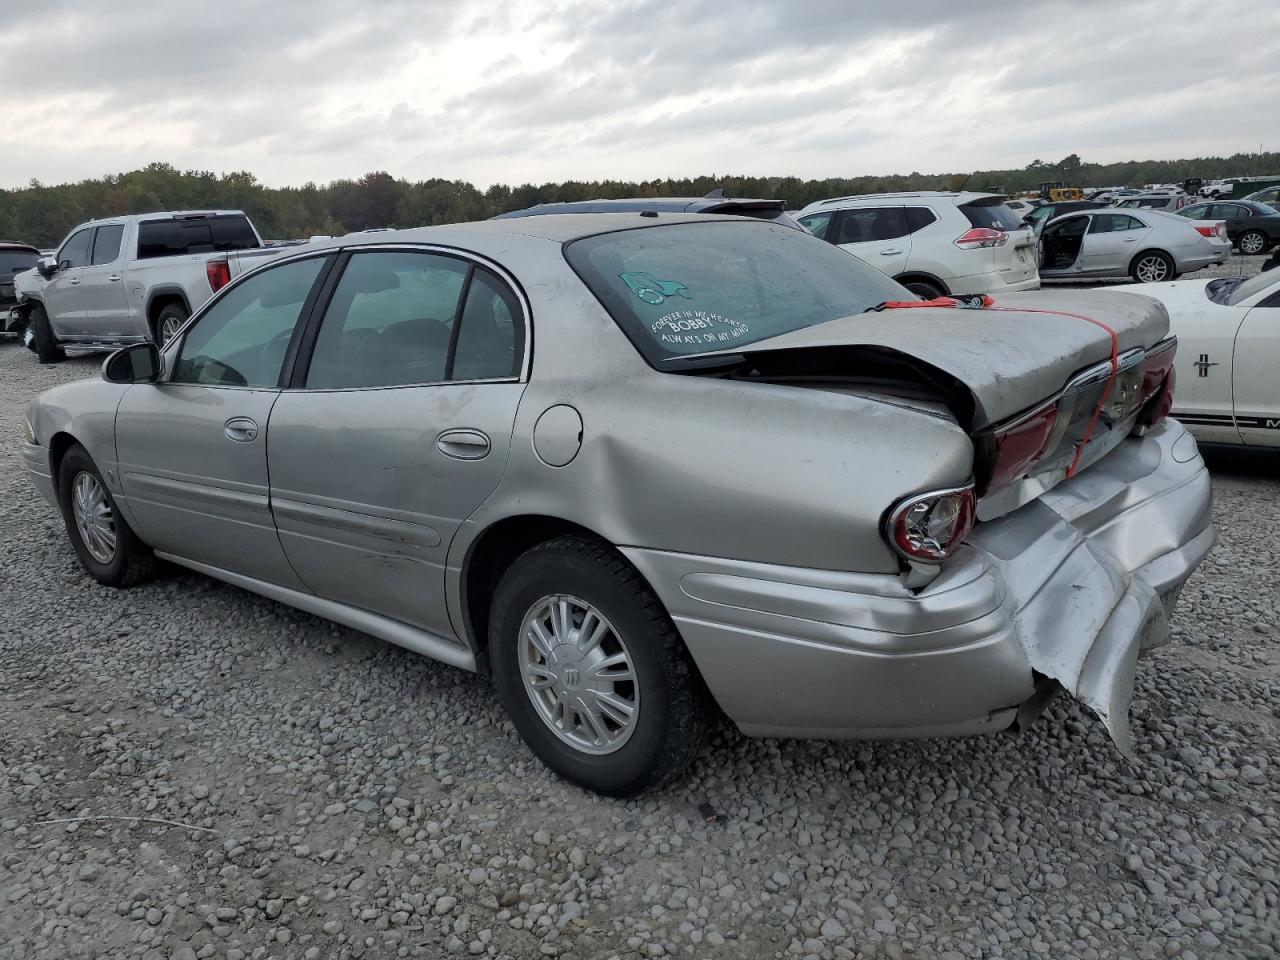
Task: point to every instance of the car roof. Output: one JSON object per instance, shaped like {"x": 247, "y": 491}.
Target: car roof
{"x": 497, "y": 235}
{"x": 637, "y": 204}
{"x": 956, "y": 196}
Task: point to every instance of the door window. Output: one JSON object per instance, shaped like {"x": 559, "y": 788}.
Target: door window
{"x": 920, "y": 217}
{"x": 869, "y": 224}
{"x": 106, "y": 244}
{"x": 816, "y": 223}
{"x": 1114, "y": 223}
{"x": 398, "y": 318}
{"x": 242, "y": 339}
{"x": 75, "y": 252}
{"x": 1200, "y": 212}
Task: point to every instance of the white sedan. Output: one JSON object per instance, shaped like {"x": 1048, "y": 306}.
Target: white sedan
{"x": 1228, "y": 329}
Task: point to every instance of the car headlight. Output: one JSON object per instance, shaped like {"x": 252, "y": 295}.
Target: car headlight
{"x": 28, "y": 432}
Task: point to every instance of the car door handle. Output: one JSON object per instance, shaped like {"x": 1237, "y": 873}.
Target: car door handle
{"x": 463, "y": 444}
{"x": 114, "y": 278}
{"x": 241, "y": 430}
{"x": 889, "y": 253}
{"x": 1130, "y": 239}
{"x": 74, "y": 281}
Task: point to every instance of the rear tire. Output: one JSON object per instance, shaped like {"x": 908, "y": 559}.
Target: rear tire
{"x": 167, "y": 323}
{"x": 1253, "y": 243}
{"x": 103, "y": 540}
{"x": 1152, "y": 266}
{"x": 923, "y": 289}
{"x": 573, "y": 579}
{"x": 43, "y": 341}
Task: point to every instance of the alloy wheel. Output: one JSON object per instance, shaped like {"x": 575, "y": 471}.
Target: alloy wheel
{"x": 94, "y": 519}
{"x": 1152, "y": 269}
{"x": 1252, "y": 243}
{"x": 169, "y": 329}
{"x": 579, "y": 675}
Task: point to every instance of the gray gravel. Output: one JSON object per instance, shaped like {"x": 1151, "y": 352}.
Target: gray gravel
{"x": 236, "y": 779}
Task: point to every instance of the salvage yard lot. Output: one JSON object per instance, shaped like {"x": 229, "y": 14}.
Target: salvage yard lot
{"x": 281, "y": 786}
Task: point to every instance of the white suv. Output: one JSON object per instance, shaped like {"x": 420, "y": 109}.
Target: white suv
{"x": 933, "y": 243}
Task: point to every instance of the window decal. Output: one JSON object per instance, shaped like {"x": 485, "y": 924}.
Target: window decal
{"x": 652, "y": 290}
{"x": 698, "y": 327}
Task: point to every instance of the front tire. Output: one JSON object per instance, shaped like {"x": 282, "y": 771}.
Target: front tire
{"x": 43, "y": 341}
{"x": 1253, "y": 243}
{"x": 591, "y": 670}
{"x": 1152, "y": 266}
{"x": 103, "y": 540}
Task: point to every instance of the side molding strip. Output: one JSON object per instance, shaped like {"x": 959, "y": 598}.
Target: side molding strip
{"x": 384, "y": 628}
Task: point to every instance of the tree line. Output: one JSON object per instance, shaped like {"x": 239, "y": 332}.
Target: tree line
{"x": 41, "y": 214}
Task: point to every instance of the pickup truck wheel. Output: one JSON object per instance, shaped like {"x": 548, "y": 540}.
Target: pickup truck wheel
{"x": 1253, "y": 243}
{"x": 592, "y": 671}
{"x": 106, "y": 545}
{"x": 168, "y": 322}
{"x": 43, "y": 342}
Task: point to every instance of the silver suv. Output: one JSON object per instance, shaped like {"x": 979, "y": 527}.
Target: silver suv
{"x": 933, "y": 243}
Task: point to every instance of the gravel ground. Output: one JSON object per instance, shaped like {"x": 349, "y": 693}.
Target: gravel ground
{"x": 188, "y": 770}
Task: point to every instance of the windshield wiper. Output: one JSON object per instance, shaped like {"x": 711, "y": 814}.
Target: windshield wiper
{"x": 705, "y": 362}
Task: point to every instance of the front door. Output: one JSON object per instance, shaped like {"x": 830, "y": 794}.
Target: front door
{"x": 398, "y": 429}
{"x": 1060, "y": 246}
{"x": 878, "y": 235}
{"x": 61, "y": 294}
{"x": 192, "y": 449}
{"x": 102, "y": 292}
{"x": 1111, "y": 242}
{"x": 1256, "y": 374}
{"x": 1202, "y": 394}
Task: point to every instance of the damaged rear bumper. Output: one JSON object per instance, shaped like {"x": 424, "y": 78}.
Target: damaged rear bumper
{"x": 1072, "y": 587}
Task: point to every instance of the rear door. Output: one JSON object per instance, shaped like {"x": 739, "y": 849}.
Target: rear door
{"x": 1111, "y": 242}
{"x": 397, "y": 429}
{"x": 102, "y": 289}
{"x": 1254, "y": 374}
{"x": 878, "y": 235}
{"x": 192, "y": 449}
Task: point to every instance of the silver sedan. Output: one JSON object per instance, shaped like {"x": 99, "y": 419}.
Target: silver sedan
{"x": 1150, "y": 246}
{"x": 643, "y": 467}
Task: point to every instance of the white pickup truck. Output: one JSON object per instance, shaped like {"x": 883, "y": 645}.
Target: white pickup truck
{"x": 128, "y": 279}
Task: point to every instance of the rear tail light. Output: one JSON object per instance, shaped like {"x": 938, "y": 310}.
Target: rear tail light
{"x": 219, "y": 274}
{"x": 1158, "y": 379}
{"x": 1218, "y": 230}
{"x": 1019, "y": 445}
{"x": 927, "y": 527}
{"x": 980, "y": 237}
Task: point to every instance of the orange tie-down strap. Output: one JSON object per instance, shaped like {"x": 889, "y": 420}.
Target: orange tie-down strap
{"x": 984, "y": 302}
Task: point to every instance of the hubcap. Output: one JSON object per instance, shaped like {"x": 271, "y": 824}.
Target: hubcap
{"x": 168, "y": 328}
{"x": 94, "y": 520}
{"x": 578, "y": 674}
{"x": 1251, "y": 244}
{"x": 1152, "y": 269}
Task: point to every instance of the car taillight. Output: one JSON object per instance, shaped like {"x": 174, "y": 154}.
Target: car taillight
{"x": 980, "y": 237}
{"x": 1019, "y": 445}
{"x": 1158, "y": 379}
{"x": 1218, "y": 230}
{"x": 927, "y": 527}
{"x": 219, "y": 274}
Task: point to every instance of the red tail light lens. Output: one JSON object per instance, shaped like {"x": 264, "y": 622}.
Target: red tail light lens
{"x": 1020, "y": 445}
{"x": 981, "y": 237}
{"x": 1212, "y": 230}
{"x": 1158, "y": 379}
{"x": 929, "y": 526}
{"x": 219, "y": 274}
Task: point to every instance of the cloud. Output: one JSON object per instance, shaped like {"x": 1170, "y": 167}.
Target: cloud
{"x": 532, "y": 90}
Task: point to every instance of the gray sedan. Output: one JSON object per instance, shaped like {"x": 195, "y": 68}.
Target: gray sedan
{"x": 1150, "y": 246}
{"x": 640, "y": 468}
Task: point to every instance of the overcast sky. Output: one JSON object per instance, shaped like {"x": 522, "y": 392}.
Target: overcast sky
{"x": 535, "y": 90}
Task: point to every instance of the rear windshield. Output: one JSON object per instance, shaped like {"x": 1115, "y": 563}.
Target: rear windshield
{"x": 997, "y": 216}
{"x": 171, "y": 238}
{"x": 15, "y": 261}
{"x": 683, "y": 289}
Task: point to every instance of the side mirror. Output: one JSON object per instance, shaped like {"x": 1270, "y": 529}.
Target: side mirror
{"x": 139, "y": 363}
{"x": 47, "y": 267}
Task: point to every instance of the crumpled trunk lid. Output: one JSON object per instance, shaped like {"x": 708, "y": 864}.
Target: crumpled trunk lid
{"x": 1008, "y": 361}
